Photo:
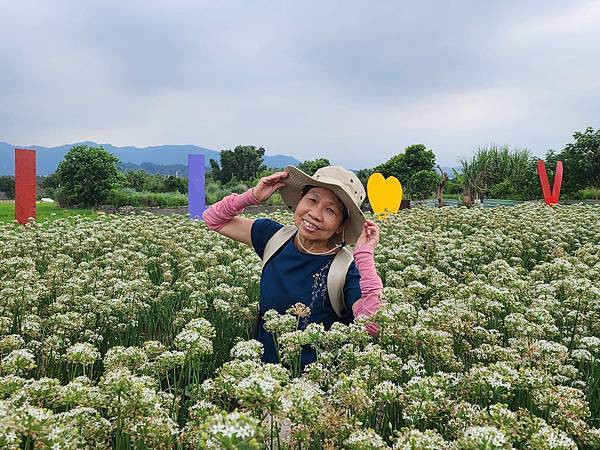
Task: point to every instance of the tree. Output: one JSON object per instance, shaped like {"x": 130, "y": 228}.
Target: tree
{"x": 311, "y": 166}
{"x": 50, "y": 184}
{"x": 7, "y": 186}
{"x": 439, "y": 191}
{"x": 215, "y": 170}
{"x": 175, "y": 184}
{"x": 87, "y": 174}
{"x": 244, "y": 163}
{"x": 139, "y": 180}
{"x": 581, "y": 161}
{"x": 422, "y": 184}
{"x": 227, "y": 166}
{"x": 415, "y": 158}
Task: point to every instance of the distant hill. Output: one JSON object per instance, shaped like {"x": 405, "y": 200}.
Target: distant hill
{"x": 161, "y": 155}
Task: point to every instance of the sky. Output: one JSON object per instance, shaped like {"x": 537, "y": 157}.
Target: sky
{"x": 355, "y": 82}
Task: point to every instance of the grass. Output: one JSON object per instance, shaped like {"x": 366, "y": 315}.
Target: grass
{"x": 130, "y": 197}
{"x": 44, "y": 212}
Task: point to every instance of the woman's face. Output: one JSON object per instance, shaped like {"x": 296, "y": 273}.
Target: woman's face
{"x": 322, "y": 209}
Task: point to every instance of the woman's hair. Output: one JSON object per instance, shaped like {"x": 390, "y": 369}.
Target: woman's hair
{"x": 308, "y": 187}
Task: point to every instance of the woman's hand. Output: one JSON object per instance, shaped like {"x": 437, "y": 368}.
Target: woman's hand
{"x": 369, "y": 235}
{"x": 267, "y": 186}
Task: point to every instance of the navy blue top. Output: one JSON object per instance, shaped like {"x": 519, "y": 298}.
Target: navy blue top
{"x": 291, "y": 277}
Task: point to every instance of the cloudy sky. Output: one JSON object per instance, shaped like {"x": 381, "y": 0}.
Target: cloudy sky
{"x": 353, "y": 81}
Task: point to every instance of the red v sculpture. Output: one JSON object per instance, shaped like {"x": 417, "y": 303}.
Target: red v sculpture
{"x": 551, "y": 198}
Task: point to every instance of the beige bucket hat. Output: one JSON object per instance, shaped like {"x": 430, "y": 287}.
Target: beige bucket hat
{"x": 344, "y": 184}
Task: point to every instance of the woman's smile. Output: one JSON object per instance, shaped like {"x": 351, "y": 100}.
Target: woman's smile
{"x": 309, "y": 226}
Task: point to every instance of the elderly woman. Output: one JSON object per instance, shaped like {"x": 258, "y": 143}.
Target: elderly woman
{"x": 327, "y": 217}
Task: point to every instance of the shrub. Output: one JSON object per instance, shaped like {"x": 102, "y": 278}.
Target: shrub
{"x": 129, "y": 197}
{"x": 422, "y": 184}
{"x": 87, "y": 174}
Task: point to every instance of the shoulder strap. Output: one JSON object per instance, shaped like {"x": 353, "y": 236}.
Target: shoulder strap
{"x": 277, "y": 240}
{"x": 336, "y": 277}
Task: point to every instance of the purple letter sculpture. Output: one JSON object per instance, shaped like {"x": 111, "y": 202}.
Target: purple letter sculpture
{"x": 196, "y": 201}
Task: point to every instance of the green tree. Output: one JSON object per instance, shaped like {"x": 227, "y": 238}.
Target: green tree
{"x": 311, "y": 166}
{"x": 422, "y": 184}
{"x": 227, "y": 166}
{"x": 244, "y": 163}
{"x": 215, "y": 170}
{"x": 87, "y": 174}
{"x": 415, "y": 158}
{"x": 363, "y": 175}
{"x": 141, "y": 181}
{"x": 175, "y": 184}
{"x": 581, "y": 161}
{"x": 7, "y": 186}
{"x": 50, "y": 184}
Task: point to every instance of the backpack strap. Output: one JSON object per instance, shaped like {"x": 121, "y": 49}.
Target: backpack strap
{"x": 336, "y": 277}
{"x": 277, "y": 240}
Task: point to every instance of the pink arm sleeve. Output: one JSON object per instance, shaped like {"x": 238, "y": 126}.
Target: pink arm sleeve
{"x": 370, "y": 286}
{"x": 221, "y": 213}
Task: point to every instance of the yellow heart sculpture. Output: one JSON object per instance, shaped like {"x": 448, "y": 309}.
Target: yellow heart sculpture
{"x": 385, "y": 195}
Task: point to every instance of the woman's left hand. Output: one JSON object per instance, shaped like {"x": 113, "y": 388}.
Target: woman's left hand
{"x": 369, "y": 235}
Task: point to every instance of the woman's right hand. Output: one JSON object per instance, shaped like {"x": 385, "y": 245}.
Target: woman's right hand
{"x": 267, "y": 186}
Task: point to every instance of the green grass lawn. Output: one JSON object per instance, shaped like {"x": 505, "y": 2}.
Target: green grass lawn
{"x": 45, "y": 211}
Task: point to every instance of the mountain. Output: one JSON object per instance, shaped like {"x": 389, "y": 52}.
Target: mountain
{"x": 161, "y": 169}
{"x": 163, "y": 155}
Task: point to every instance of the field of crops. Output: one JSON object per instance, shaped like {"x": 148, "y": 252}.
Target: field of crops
{"x": 135, "y": 332}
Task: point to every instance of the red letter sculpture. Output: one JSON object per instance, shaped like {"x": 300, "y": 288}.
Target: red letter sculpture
{"x": 551, "y": 198}
{"x": 24, "y": 185}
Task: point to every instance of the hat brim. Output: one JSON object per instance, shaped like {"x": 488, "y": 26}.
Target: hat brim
{"x": 292, "y": 191}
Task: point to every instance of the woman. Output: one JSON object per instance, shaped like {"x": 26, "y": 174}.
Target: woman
{"x": 327, "y": 215}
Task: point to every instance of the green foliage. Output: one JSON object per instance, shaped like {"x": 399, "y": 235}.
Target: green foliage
{"x": 130, "y": 197}
{"x": 363, "y": 175}
{"x": 503, "y": 189}
{"x": 513, "y": 172}
{"x": 243, "y": 163}
{"x": 454, "y": 185}
{"x": 142, "y": 181}
{"x": 7, "y": 187}
{"x": 581, "y": 161}
{"x": 311, "y": 166}
{"x": 422, "y": 184}
{"x": 583, "y": 194}
{"x": 175, "y": 184}
{"x": 215, "y": 170}
{"x": 49, "y": 184}
{"x": 215, "y": 191}
{"x": 415, "y": 158}
{"x": 86, "y": 175}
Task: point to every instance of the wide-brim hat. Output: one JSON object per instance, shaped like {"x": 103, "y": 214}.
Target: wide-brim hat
{"x": 344, "y": 184}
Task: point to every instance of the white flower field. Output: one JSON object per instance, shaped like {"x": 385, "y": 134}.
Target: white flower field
{"x": 136, "y": 332}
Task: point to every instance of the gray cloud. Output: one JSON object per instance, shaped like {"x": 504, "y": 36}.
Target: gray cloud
{"x": 352, "y": 81}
